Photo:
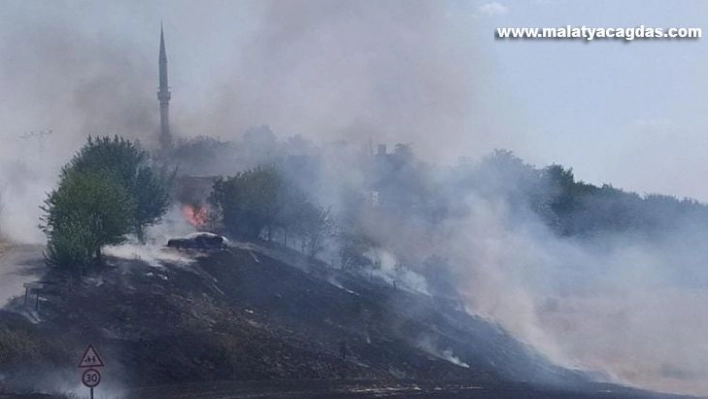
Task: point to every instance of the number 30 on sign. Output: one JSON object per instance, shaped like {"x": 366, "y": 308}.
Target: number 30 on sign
{"x": 91, "y": 378}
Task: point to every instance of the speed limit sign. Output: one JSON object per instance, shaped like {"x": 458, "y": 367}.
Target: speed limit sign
{"x": 91, "y": 362}
{"x": 91, "y": 378}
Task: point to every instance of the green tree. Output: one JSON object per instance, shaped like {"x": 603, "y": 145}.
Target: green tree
{"x": 108, "y": 190}
{"x": 247, "y": 203}
{"x": 86, "y": 212}
{"x": 260, "y": 202}
{"x": 129, "y": 165}
{"x": 314, "y": 227}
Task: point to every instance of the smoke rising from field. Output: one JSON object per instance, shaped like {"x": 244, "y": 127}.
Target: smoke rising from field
{"x": 356, "y": 71}
{"x": 621, "y": 306}
{"x": 384, "y": 71}
{"x": 625, "y": 306}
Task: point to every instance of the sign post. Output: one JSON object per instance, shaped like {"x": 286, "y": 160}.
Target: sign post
{"x": 91, "y": 378}
{"x": 91, "y": 361}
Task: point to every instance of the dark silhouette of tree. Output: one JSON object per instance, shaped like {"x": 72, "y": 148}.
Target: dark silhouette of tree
{"x": 247, "y": 202}
{"x": 259, "y": 202}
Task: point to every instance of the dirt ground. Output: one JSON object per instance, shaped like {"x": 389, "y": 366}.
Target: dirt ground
{"x": 273, "y": 330}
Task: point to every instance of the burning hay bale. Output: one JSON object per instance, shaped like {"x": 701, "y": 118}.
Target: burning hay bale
{"x": 202, "y": 241}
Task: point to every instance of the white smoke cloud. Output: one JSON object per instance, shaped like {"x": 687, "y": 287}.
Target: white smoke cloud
{"x": 619, "y": 305}
{"x": 427, "y": 344}
{"x": 390, "y": 271}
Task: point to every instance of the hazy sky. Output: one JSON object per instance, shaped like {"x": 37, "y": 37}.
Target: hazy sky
{"x": 431, "y": 73}
{"x": 631, "y": 114}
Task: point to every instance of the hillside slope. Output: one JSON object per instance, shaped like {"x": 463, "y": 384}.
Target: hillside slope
{"x": 243, "y": 315}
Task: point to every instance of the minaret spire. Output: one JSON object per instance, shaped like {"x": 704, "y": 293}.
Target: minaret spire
{"x": 164, "y": 95}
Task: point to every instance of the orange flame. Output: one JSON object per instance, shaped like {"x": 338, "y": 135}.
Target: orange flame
{"x": 195, "y": 215}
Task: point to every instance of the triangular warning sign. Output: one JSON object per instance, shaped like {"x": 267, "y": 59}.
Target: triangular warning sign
{"x": 90, "y": 358}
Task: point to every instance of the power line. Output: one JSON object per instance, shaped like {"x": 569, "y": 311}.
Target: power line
{"x": 40, "y": 136}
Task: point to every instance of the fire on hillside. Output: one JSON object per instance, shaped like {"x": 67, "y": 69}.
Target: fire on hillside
{"x": 196, "y": 215}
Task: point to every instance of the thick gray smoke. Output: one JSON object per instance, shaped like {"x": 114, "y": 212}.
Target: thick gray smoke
{"x": 346, "y": 70}
{"x": 61, "y": 77}
{"x": 359, "y": 71}
{"x": 385, "y": 71}
{"x": 627, "y": 307}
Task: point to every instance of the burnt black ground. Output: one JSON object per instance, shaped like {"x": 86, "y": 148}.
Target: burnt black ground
{"x": 274, "y": 323}
{"x": 338, "y": 389}
{"x": 372, "y": 389}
